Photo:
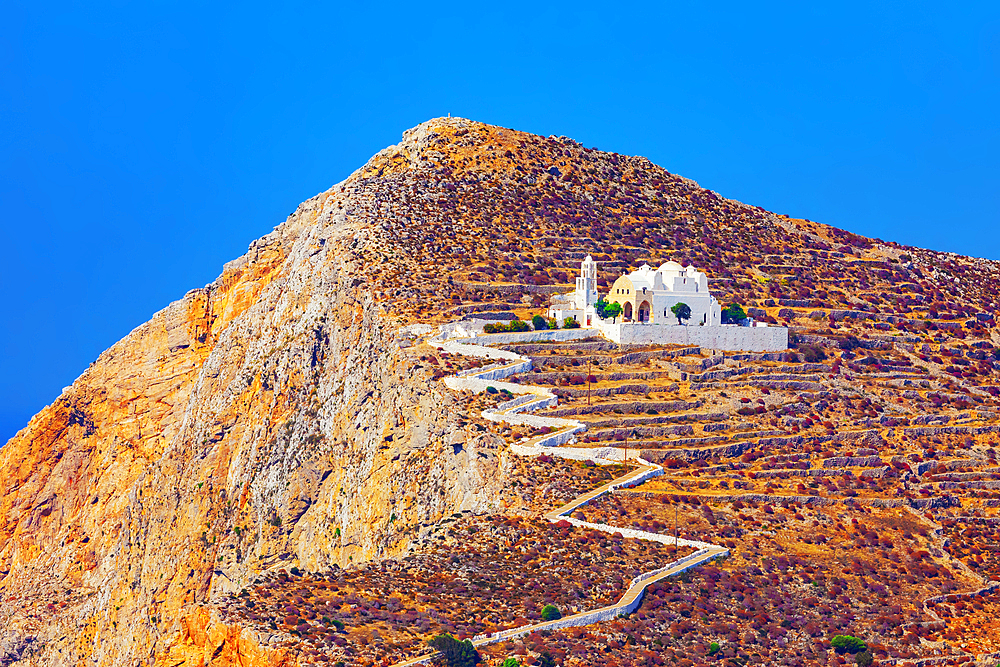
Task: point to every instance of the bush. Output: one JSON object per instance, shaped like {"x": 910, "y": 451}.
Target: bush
{"x": 733, "y": 313}
{"x": 682, "y": 311}
{"x": 812, "y": 353}
{"x": 850, "y": 343}
{"x": 545, "y": 660}
{"x": 550, "y": 612}
{"x": 848, "y": 644}
{"x": 612, "y": 310}
{"x": 454, "y": 652}
{"x": 864, "y": 658}
{"x": 511, "y": 662}
{"x": 539, "y": 323}
{"x": 514, "y": 325}
{"x": 570, "y": 323}
{"x": 713, "y": 648}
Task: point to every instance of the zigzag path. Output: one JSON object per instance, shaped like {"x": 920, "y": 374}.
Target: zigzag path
{"x": 533, "y": 398}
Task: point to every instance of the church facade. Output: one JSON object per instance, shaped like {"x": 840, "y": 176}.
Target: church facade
{"x": 647, "y": 296}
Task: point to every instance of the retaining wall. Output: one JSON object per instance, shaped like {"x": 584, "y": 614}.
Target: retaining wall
{"x": 457, "y": 347}
{"x": 595, "y": 454}
{"x": 477, "y": 385}
{"x": 724, "y": 337}
{"x": 554, "y": 335}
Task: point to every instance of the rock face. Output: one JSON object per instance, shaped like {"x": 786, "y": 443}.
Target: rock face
{"x": 268, "y": 419}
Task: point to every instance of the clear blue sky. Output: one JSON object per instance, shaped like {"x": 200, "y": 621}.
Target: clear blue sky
{"x": 143, "y": 144}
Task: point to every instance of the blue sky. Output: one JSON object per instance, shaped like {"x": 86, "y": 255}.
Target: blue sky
{"x": 142, "y": 145}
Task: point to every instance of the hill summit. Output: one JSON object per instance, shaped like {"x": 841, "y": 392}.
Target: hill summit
{"x": 274, "y": 471}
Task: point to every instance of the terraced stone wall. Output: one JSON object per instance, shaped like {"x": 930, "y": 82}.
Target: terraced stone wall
{"x": 732, "y": 338}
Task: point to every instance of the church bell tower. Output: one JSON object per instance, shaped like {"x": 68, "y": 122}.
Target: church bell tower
{"x": 586, "y": 285}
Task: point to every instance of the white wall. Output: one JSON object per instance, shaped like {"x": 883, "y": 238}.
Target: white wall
{"x": 728, "y": 337}
{"x": 532, "y": 336}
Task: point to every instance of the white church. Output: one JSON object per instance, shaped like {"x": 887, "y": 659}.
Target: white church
{"x": 647, "y": 296}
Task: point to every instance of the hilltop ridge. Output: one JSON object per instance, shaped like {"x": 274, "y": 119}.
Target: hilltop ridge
{"x": 284, "y": 417}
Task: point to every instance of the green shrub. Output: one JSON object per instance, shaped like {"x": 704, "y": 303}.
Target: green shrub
{"x": 713, "y": 648}
{"x": 337, "y": 623}
{"x": 454, "y": 652}
{"x": 553, "y": 324}
{"x": 539, "y": 323}
{"x": 545, "y": 660}
{"x": 681, "y": 311}
{"x": 733, "y": 313}
{"x": 511, "y": 662}
{"x": 518, "y": 325}
{"x": 848, "y": 644}
{"x": 864, "y": 658}
{"x": 570, "y": 323}
{"x": 612, "y": 310}
{"x": 491, "y": 390}
{"x": 550, "y": 612}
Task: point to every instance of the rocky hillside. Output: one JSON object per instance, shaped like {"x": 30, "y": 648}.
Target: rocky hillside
{"x": 276, "y": 418}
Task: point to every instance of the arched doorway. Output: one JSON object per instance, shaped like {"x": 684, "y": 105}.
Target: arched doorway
{"x": 644, "y": 309}
{"x": 627, "y": 312}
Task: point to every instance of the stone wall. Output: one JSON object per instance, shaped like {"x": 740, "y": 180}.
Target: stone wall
{"x": 533, "y": 336}
{"x": 726, "y": 337}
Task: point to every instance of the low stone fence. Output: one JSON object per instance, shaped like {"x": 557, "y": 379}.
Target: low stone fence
{"x": 630, "y": 407}
{"x": 478, "y": 385}
{"x": 853, "y": 462}
{"x": 458, "y": 347}
{"x": 689, "y": 561}
{"x": 950, "y": 430}
{"x": 526, "y": 420}
{"x": 554, "y": 335}
{"x": 497, "y": 371}
{"x": 509, "y": 406}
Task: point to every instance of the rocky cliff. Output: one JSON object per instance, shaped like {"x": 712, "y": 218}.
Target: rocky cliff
{"x": 267, "y": 419}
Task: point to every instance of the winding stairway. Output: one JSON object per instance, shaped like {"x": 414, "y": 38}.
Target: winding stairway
{"x": 530, "y": 398}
